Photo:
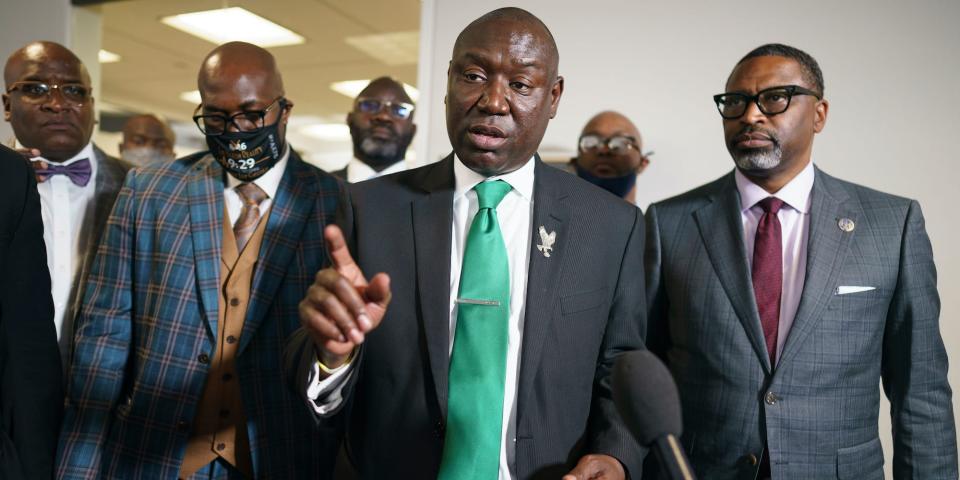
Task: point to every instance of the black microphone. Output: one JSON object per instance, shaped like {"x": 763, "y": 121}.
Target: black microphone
{"x": 649, "y": 404}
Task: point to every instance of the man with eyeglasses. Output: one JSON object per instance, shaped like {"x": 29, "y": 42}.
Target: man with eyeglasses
{"x": 49, "y": 103}
{"x": 610, "y": 155}
{"x": 381, "y": 126}
{"x": 176, "y": 370}
{"x": 780, "y": 297}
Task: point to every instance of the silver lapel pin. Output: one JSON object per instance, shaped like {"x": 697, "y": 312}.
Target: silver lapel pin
{"x": 846, "y": 225}
{"x": 546, "y": 241}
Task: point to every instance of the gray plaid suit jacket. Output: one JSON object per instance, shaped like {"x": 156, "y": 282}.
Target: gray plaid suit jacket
{"x": 817, "y": 411}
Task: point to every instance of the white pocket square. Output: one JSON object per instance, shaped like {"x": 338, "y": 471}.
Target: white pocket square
{"x": 845, "y": 289}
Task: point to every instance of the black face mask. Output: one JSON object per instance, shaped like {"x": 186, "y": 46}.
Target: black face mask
{"x": 619, "y": 186}
{"x": 247, "y": 155}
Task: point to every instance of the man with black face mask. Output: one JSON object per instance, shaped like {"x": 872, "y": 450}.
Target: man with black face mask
{"x": 610, "y": 156}
{"x": 381, "y": 125}
{"x": 195, "y": 288}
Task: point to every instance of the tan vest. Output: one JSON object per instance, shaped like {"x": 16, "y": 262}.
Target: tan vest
{"x": 220, "y": 427}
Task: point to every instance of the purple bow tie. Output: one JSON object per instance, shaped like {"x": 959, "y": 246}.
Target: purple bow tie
{"x": 78, "y": 172}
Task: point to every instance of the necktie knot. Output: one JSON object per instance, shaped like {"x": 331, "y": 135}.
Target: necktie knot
{"x": 489, "y": 194}
{"x": 771, "y": 205}
{"x": 251, "y": 194}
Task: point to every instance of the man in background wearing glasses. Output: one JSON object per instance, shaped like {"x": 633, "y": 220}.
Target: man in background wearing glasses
{"x": 780, "y": 297}
{"x": 176, "y": 370}
{"x": 381, "y": 126}
{"x": 49, "y": 104}
{"x": 609, "y": 154}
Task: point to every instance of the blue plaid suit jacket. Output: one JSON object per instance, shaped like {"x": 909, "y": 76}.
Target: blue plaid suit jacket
{"x": 817, "y": 410}
{"x": 150, "y": 312}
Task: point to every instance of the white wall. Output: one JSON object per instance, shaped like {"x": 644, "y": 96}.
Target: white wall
{"x": 892, "y": 75}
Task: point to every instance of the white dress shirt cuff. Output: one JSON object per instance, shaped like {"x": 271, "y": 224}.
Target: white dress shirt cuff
{"x": 327, "y": 394}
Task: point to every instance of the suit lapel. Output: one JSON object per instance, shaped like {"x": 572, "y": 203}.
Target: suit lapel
{"x": 107, "y": 184}
{"x": 721, "y": 230}
{"x": 289, "y": 213}
{"x": 205, "y": 197}
{"x": 827, "y": 245}
{"x": 550, "y": 211}
{"x": 432, "y": 216}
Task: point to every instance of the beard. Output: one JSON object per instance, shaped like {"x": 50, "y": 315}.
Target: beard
{"x": 380, "y": 154}
{"x": 755, "y": 159}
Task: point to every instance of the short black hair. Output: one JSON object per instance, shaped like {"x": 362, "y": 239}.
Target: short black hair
{"x": 809, "y": 65}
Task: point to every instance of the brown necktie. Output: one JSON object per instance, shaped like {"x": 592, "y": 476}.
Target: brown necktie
{"x": 251, "y": 195}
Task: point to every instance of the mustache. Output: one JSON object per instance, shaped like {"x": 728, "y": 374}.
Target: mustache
{"x": 754, "y": 132}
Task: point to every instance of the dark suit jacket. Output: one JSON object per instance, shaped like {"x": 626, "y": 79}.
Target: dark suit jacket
{"x": 31, "y": 392}
{"x": 341, "y": 174}
{"x": 149, "y": 326}
{"x": 817, "y": 410}
{"x": 584, "y": 306}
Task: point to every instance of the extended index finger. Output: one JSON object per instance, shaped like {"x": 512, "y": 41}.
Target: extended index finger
{"x": 340, "y": 255}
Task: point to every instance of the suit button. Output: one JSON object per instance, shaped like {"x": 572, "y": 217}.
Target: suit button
{"x": 183, "y": 426}
{"x": 234, "y": 302}
{"x": 231, "y": 339}
{"x": 221, "y": 447}
{"x": 770, "y": 398}
{"x": 438, "y": 429}
{"x": 203, "y": 358}
{"x": 227, "y": 377}
{"x": 751, "y": 459}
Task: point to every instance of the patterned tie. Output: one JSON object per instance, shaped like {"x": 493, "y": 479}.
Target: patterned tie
{"x": 251, "y": 195}
{"x": 78, "y": 172}
{"x": 478, "y": 362}
{"x": 768, "y": 272}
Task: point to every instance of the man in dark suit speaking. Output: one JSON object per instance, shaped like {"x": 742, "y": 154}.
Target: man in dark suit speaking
{"x": 482, "y": 347}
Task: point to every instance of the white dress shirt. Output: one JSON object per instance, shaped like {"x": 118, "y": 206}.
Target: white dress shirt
{"x": 65, "y": 208}
{"x": 269, "y": 182}
{"x": 357, "y": 171}
{"x": 515, "y": 217}
{"x": 794, "y": 219}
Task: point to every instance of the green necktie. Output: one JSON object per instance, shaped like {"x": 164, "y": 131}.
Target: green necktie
{"x": 478, "y": 363}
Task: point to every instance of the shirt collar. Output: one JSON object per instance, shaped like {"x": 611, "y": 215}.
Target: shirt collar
{"x": 521, "y": 179}
{"x": 268, "y": 182}
{"x": 795, "y": 193}
{"x": 86, "y": 152}
{"x": 357, "y": 171}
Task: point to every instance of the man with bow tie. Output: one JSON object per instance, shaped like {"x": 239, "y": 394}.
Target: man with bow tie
{"x": 49, "y": 103}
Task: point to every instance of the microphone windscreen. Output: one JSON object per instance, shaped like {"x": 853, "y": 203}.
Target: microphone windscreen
{"x": 646, "y": 396}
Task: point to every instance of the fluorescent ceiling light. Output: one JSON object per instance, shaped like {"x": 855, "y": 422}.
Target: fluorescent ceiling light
{"x": 107, "y": 57}
{"x": 397, "y": 48}
{"x": 231, "y": 24}
{"x": 327, "y": 131}
{"x": 192, "y": 97}
{"x": 352, "y": 88}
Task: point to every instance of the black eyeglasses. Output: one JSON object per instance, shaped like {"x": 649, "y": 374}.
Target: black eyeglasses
{"x": 212, "y": 124}
{"x": 770, "y": 101}
{"x": 76, "y": 94}
{"x": 401, "y": 110}
{"x": 617, "y": 144}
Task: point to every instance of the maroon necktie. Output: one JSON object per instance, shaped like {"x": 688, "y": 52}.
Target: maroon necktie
{"x": 768, "y": 272}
